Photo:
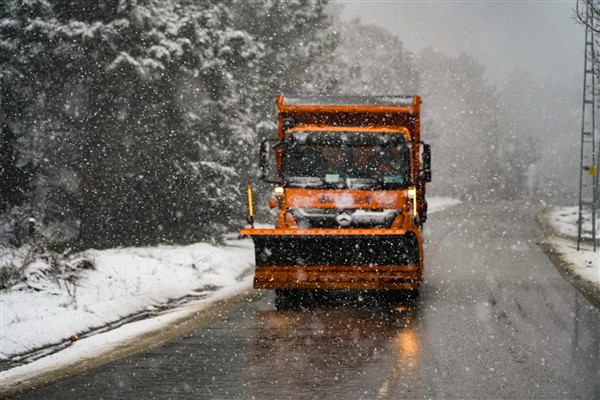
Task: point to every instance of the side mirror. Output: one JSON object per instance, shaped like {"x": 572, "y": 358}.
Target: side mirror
{"x": 267, "y": 164}
{"x": 426, "y": 162}
{"x": 264, "y": 158}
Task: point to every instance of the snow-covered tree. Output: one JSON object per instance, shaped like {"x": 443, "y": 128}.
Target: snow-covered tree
{"x": 97, "y": 93}
{"x": 374, "y": 61}
{"x": 298, "y": 40}
{"x": 522, "y": 122}
{"x": 14, "y": 178}
{"x": 463, "y": 123}
{"x": 542, "y": 120}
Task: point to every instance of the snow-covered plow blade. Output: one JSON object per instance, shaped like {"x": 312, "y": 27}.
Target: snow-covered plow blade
{"x": 336, "y": 258}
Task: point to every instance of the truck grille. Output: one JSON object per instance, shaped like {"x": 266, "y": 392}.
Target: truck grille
{"x": 348, "y": 218}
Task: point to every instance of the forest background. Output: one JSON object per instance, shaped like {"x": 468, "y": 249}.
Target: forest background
{"x": 137, "y": 122}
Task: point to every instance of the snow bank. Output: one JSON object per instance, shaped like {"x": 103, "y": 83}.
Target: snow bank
{"x": 563, "y": 221}
{"x": 585, "y": 263}
{"x": 440, "y": 203}
{"x": 124, "y": 282}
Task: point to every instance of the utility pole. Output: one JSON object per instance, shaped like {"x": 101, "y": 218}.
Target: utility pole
{"x": 589, "y": 196}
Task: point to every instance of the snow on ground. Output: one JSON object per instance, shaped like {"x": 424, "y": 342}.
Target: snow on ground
{"x": 563, "y": 221}
{"x": 123, "y": 282}
{"x": 439, "y": 203}
{"x": 585, "y": 263}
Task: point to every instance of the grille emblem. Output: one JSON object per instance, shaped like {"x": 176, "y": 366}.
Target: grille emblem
{"x": 344, "y": 219}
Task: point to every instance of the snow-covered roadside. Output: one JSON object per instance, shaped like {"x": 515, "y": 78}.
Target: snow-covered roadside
{"x": 121, "y": 342}
{"x": 440, "y": 203}
{"x": 581, "y": 267}
{"x": 124, "y": 282}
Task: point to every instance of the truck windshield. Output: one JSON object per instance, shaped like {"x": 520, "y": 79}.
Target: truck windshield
{"x": 346, "y": 159}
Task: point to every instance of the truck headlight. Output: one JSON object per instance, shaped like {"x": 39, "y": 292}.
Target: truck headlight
{"x": 278, "y": 191}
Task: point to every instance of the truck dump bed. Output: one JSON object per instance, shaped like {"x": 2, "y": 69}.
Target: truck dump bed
{"x": 350, "y": 111}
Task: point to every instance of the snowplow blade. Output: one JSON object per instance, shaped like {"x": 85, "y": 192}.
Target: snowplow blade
{"x": 336, "y": 258}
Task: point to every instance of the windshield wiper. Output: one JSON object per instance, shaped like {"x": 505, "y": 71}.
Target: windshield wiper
{"x": 378, "y": 182}
{"x": 307, "y": 181}
{"x": 403, "y": 183}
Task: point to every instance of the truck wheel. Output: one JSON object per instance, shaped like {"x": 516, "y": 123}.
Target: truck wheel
{"x": 403, "y": 296}
{"x": 286, "y": 299}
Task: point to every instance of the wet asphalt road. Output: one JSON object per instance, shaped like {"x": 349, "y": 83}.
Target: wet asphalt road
{"x": 494, "y": 320}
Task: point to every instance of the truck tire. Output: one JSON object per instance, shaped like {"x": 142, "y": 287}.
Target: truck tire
{"x": 286, "y": 299}
{"x": 402, "y": 296}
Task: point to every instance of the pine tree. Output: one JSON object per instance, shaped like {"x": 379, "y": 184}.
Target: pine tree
{"x": 462, "y": 118}
{"x": 101, "y": 89}
{"x": 374, "y": 61}
{"x": 298, "y": 40}
{"x": 15, "y": 180}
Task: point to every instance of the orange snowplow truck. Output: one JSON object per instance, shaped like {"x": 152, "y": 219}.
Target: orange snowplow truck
{"x": 349, "y": 175}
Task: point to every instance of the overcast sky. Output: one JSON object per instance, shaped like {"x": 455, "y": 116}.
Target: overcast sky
{"x": 537, "y": 36}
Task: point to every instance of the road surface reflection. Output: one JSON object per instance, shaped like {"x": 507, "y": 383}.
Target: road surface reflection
{"x": 308, "y": 352}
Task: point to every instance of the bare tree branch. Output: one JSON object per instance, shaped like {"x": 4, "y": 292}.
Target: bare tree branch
{"x": 587, "y": 13}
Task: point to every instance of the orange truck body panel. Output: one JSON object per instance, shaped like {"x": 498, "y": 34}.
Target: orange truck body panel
{"x": 352, "y": 255}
